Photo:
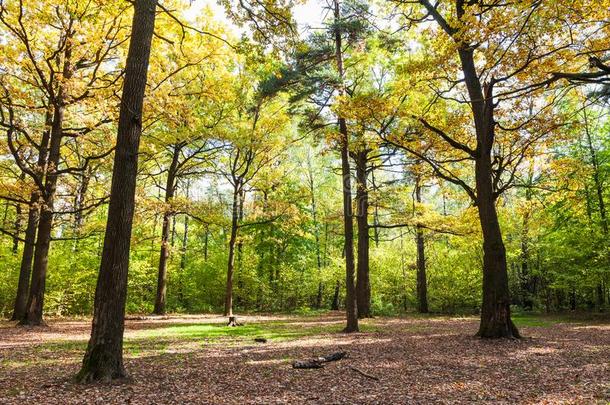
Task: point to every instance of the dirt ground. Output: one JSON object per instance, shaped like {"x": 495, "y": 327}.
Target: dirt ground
{"x": 191, "y": 359}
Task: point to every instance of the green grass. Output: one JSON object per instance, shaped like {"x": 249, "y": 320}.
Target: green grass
{"x": 214, "y": 332}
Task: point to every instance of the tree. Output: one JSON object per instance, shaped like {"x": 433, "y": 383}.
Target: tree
{"x": 103, "y": 360}
{"x": 61, "y": 75}
{"x": 491, "y": 88}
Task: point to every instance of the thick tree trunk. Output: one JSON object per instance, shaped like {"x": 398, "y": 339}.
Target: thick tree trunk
{"x": 103, "y": 360}
{"x": 422, "y": 282}
{"x": 495, "y": 311}
{"x": 231, "y": 261}
{"x": 350, "y": 288}
{"x": 363, "y": 285}
{"x": 168, "y": 215}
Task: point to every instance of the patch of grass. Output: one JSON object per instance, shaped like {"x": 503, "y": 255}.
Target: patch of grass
{"x": 214, "y": 332}
{"x": 521, "y": 320}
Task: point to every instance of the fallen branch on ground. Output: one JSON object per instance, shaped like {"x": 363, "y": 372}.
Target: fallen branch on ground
{"x": 319, "y": 361}
{"x": 372, "y": 377}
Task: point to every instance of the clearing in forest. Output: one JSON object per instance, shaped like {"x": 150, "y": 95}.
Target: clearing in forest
{"x": 196, "y": 359}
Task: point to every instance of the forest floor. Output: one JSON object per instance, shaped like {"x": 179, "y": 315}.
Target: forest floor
{"x": 196, "y": 359}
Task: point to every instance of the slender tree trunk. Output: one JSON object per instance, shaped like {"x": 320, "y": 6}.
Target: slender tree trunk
{"x": 350, "y": 288}
{"x": 18, "y": 221}
{"x": 231, "y": 262}
{"x": 316, "y": 230}
{"x": 206, "y": 237}
{"x": 168, "y": 215}
{"x": 103, "y": 360}
{"x": 375, "y": 211}
{"x": 79, "y": 204}
{"x": 600, "y": 201}
{"x": 422, "y": 282}
{"x": 363, "y": 284}
{"x": 527, "y": 281}
{"x": 335, "y": 302}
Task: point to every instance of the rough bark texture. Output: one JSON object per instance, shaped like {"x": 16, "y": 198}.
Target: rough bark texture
{"x": 350, "y": 288}
{"x": 422, "y": 282}
{"x": 103, "y": 360}
{"x": 168, "y": 215}
{"x": 363, "y": 284}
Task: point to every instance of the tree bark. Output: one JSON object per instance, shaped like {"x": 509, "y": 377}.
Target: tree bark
{"x": 495, "y": 311}
{"x": 103, "y": 360}
{"x": 168, "y": 215}
{"x": 350, "y": 289}
{"x": 363, "y": 284}
{"x": 422, "y": 282}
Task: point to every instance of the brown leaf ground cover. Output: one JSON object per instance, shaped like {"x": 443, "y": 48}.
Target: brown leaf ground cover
{"x": 196, "y": 359}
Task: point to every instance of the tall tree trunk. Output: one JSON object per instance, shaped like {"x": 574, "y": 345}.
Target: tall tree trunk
{"x": 168, "y": 215}
{"x": 185, "y": 235}
{"x": 103, "y": 360}
{"x": 600, "y": 200}
{"x": 27, "y": 256}
{"x": 363, "y": 284}
{"x": 316, "y": 230}
{"x": 495, "y": 311}
{"x": 350, "y": 289}
{"x": 231, "y": 262}
{"x": 527, "y": 282}
{"x": 422, "y": 282}
{"x": 33, "y": 315}
{"x": 375, "y": 211}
